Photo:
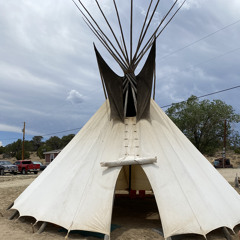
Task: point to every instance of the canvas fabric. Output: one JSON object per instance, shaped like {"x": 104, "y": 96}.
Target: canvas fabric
{"x": 114, "y": 87}
{"x": 75, "y": 192}
{"x": 144, "y": 85}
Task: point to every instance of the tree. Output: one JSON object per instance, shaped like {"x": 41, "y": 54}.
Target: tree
{"x": 66, "y": 139}
{"x": 203, "y": 122}
{"x": 1, "y": 149}
{"x": 53, "y": 143}
{"x": 19, "y": 155}
{"x": 13, "y": 148}
{"x": 28, "y": 146}
{"x": 235, "y": 142}
{"x": 37, "y": 142}
{"x": 41, "y": 150}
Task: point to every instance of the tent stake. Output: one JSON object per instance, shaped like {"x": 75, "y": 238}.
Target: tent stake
{"x": 33, "y": 226}
{"x": 41, "y": 229}
{"x": 17, "y": 218}
{"x": 226, "y": 233}
{"x": 10, "y": 206}
{"x": 33, "y": 230}
{"x": 13, "y": 215}
{"x": 106, "y": 237}
{"x": 67, "y": 235}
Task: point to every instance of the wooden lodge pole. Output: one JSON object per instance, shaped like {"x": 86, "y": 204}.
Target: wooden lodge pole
{"x": 23, "y": 141}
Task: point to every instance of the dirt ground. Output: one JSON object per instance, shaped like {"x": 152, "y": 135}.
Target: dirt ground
{"x": 135, "y": 219}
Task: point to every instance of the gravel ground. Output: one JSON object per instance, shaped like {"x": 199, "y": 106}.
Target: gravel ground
{"x": 132, "y": 219}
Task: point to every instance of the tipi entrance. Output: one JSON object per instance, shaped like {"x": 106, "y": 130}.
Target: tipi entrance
{"x": 135, "y": 211}
{"x": 133, "y": 178}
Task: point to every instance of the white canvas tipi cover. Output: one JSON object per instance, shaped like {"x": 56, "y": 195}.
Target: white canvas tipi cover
{"x": 75, "y": 192}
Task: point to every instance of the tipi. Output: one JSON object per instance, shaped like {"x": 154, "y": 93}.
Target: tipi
{"x": 130, "y": 129}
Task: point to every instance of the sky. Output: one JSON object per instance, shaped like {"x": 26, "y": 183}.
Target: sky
{"x": 49, "y": 76}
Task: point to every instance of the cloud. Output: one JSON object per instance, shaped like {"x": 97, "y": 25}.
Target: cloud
{"x": 0, "y": 144}
{"x": 75, "y": 97}
{"x": 15, "y": 129}
{"x": 190, "y": 4}
{"x": 9, "y": 128}
{"x": 53, "y": 52}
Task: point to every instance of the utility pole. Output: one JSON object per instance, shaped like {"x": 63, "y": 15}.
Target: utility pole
{"x": 23, "y": 141}
{"x": 224, "y": 142}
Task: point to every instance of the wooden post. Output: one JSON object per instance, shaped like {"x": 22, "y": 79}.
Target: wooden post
{"x": 225, "y": 133}
{"x": 23, "y": 141}
{"x": 41, "y": 229}
{"x": 224, "y": 143}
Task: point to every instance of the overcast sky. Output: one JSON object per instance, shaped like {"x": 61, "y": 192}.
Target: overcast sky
{"x": 48, "y": 72}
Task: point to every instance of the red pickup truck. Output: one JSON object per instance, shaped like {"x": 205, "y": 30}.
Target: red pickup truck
{"x": 25, "y": 166}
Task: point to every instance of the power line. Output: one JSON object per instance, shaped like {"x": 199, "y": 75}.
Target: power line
{"x": 206, "y": 61}
{"x": 209, "y": 94}
{"x": 62, "y": 131}
{"x": 210, "y": 59}
{"x": 48, "y": 134}
{"x": 74, "y": 129}
{"x": 207, "y": 36}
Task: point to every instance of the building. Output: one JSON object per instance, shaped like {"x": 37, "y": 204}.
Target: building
{"x": 49, "y": 156}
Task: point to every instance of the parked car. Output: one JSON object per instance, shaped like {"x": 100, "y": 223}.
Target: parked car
{"x": 7, "y": 167}
{"x": 25, "y": 166}
{"x": 42, "y": 167}
{"x": 222, "y": 163}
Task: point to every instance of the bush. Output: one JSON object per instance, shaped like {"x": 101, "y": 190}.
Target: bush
{"x": 1, "y": 150}
{"x": 237, "y": 150}
{"x": 19, "y": 155}
{"x": 6, "y": 155}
